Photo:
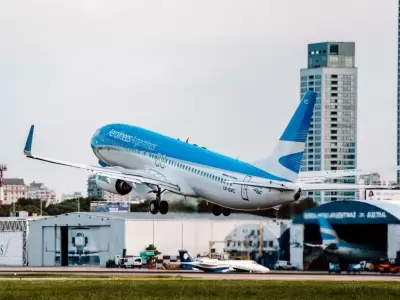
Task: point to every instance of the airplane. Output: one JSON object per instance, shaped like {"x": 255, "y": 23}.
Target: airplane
{"x": 129, "y": 155}
{"x": 215, "y": 265}
{"x": 333, "y": 245}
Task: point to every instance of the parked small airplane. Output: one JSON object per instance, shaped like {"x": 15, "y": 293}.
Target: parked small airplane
{"x": 215, "y": 265}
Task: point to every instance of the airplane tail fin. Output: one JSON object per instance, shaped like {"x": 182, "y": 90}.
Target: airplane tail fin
{"x": 328, "y": 234}
{"x": 187, "y": 261}
{"x": 285, "y": 160}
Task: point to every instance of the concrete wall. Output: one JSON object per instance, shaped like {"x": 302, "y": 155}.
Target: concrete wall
{"x": 105, "y": 238}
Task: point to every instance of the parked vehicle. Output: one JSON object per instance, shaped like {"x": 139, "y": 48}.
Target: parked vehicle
{"x": 354, "y": 268}
{"x": 388, "y": 268}
{"x": 128, "y": 261}
{"x": 334, "y": 268}
{"x": 284, "y": 265}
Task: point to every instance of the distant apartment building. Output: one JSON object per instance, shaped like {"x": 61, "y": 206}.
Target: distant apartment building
{"x": 371, "y": 179}
{"x": 14, "y": 189}
{"x": 40, "y": 191}
{"x": 332, "y": 138}
{"x": 75, "y": 195}
{"x": 95, "y": 192}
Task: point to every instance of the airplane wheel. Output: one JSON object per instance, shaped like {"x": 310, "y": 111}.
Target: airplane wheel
{"x": 216, "y": 210}
{"x": 226, "y": 212}
{"x": 153, "y": 208}
{"x": 163, "y": 207}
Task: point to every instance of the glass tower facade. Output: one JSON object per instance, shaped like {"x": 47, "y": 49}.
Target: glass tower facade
{"x": 332, "y": 139}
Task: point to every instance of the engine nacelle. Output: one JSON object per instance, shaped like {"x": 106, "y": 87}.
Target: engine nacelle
{"x": 112, "y": 185}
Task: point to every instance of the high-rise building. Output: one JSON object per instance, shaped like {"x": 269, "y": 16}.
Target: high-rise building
{"x": 332, "y": 139}
{"x": 93, "y": 191}
{"x": 398, "y": 92}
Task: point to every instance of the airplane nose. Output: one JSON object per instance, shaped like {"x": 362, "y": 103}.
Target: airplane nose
{"x": 95, "y": 138}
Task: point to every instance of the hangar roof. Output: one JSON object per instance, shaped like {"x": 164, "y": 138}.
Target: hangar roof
{"x": 353, "y": 212}
{"x": 172, "y": 216}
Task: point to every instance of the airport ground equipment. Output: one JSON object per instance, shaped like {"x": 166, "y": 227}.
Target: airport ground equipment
{"x": 354, "y": 268}
{"x": 334, "y": 268}
{"x": 284, "y": 265}
{"x": 128, "y": 261}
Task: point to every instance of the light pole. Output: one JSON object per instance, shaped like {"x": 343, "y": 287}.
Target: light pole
{"x": 3, "y": 168}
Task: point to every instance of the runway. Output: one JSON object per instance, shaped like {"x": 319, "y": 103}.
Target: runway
{"x": 189, "y": 274}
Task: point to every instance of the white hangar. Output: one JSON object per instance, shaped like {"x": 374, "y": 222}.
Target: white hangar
{"x": 93, "y": 238}
{"x": 13, "y": 238}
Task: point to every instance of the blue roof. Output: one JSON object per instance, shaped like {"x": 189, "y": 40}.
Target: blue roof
{"x": 353, "y": 212}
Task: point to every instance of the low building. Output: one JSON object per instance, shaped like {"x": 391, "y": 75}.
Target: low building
{"x": 93, "y": 238}
{"x": 41, "y": 192}
{"x": 14, "y": 189}
{"x": 75, "y": 195}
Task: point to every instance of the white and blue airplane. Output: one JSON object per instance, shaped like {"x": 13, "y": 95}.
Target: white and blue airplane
{"x": 333, "y": 245}
{"x": 218, "y": 266}
{"x": 129, "y": 156}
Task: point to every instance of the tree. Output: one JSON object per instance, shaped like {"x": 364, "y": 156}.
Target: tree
{"x": 152, "y": 259}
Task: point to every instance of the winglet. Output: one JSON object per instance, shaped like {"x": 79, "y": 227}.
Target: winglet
{"x": 28, "y": 144}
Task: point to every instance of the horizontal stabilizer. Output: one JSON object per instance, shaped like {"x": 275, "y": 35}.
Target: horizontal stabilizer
{"x": 320, "y": 176}
{"x": 338, "y": 186}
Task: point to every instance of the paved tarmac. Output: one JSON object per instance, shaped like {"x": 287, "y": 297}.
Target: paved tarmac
{"x": 273, "y": 275}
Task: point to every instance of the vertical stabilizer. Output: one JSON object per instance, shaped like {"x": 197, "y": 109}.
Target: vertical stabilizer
{"x": 328, "y": 234}
{"x": 285, "y": 160}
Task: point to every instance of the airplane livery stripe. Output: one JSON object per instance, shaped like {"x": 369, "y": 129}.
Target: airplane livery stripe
{"x": 172, "y": 148}
{"x": 292, "y": 161}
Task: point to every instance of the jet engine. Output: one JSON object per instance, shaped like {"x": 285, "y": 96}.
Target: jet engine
{"x": 112, "y": 185}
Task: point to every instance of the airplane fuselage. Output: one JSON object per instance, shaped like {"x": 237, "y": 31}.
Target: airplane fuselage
{"x": 356, "y": 253}
{"x": 198, "y": 172}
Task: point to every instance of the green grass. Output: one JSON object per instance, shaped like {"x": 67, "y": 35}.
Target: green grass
{"x": 69, "y": 275}
{"x": 197, "y": 289}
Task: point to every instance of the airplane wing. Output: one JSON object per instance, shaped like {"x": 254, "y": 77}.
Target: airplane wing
{"x": 320, "y": 176}
{"x": 133, "y": 176}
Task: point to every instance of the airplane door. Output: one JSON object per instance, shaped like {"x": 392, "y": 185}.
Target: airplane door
{"x": 244, "y": 188}
{"x": 157, "y": 159}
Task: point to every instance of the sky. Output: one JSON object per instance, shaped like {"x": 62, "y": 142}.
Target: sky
{"x": 225, "y": 73}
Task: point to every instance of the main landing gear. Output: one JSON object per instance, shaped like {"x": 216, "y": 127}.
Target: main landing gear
{"x": 158, "y": 205}
{"x": 217, "y": 210}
